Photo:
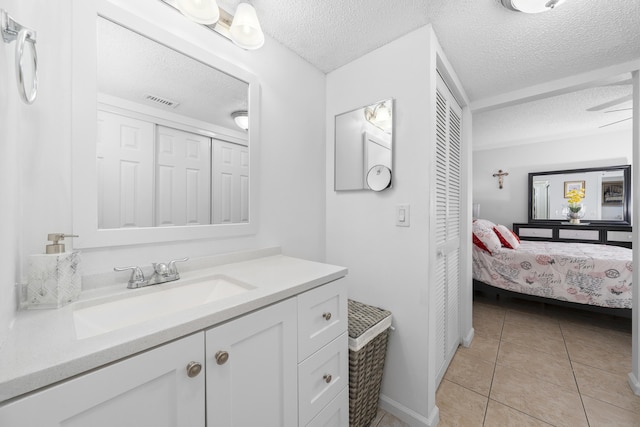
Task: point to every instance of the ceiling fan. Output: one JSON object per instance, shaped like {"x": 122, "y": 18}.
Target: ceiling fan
{"x": 615, "y": 102}
{"x": 617, "y": 121}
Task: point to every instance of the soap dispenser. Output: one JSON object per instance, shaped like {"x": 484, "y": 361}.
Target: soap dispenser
{"x": 54, "y": 277}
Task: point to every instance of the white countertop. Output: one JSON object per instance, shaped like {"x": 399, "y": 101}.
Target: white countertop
{"x": 42, "y": 347}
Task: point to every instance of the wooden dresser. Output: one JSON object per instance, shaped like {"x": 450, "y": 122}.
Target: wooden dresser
{"x": 617, "y": 235}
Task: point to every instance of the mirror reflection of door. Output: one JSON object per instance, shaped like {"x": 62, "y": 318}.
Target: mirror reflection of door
{"x": 541, "y": 199}
{"x": 377, "y": 151}
{"x": 198, "y": 180}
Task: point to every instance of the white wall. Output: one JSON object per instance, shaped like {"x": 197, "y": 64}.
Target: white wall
{"x": 35, "y": 153}
{"x": 388, "y": 265}
{"x": 509, "y": 205}
{"x": 11, "y": 111}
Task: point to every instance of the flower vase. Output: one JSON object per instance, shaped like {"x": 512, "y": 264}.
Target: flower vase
{"x": 575, "y": 213}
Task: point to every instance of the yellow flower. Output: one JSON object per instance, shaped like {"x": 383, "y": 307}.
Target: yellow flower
{"x": 575, "y": 196}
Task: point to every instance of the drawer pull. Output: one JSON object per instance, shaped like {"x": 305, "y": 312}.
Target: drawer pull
{"x": 193, "y": 369}
{"x": 327, "y": 315}
{"x": 221, "y": 357}
{"x": 327, "y": 378}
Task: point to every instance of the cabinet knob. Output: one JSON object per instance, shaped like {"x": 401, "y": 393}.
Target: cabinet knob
{"x": 193, "y": 369}
{"x": 326, "y": 378}
{"x": 221, "y": 357}
{"x": 327, "y": 315}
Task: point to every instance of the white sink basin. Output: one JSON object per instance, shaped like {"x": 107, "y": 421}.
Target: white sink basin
{"x": 109, "y": 316}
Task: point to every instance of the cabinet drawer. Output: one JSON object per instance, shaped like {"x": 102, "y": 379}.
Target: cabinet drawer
{"x": 321, "y": 377}
{"x": 536, "y": 232}
{"x": 322, "y": 316}
{"x": 336, "y": 414}
{"x": 619, "y": 236}
{"x": 579, "y": 234}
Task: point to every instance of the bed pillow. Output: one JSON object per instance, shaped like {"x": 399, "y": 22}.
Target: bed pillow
{"x": 507, "y": 238}
{"x": 484, "y": 237}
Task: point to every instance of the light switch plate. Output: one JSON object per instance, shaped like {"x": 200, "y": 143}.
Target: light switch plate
{"x": 403, "y": 215}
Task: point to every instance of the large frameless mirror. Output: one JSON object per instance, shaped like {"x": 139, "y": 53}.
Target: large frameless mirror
{"x": 364, "y": 148}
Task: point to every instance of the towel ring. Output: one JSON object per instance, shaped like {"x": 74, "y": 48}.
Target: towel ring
{"x": 11, "y": 30}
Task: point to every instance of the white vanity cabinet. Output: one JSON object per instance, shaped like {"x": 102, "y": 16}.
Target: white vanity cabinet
{"x": 251, "y": 369}
{"x": 150, "y": 389}
{"x": 283, "y": 365}
{"x": 323, "y": 358}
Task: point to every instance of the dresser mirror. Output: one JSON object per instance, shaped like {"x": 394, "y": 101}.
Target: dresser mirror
{"x": 364, "y": 148}
{"x": 607, "y": 195}
{"x": 170, "y": 161}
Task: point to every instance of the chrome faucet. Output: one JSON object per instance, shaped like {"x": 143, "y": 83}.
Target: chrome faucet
{"x": 162, "y": 273}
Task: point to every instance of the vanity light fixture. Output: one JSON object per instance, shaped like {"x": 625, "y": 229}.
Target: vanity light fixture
{"x": 531, "y": 6}
{"x": 200, "y": 11}
{"x": 243, "y": 29}
{"x": 241, "y": 118}
{"x": 380, "y": 116}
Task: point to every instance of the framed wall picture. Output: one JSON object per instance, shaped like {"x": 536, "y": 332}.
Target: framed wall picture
{"x": 612, "y": 193}
{"x": 572, "y": 185}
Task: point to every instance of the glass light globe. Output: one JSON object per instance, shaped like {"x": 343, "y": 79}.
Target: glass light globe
{"x": 200, "y": 11}
{"x": 245, "y": 29}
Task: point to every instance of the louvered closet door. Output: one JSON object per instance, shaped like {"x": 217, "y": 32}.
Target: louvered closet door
{"x": 447, "y": 237}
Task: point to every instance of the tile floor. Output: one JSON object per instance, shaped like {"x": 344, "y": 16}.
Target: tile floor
{"x": 384, "y": 419}
{"x": 535, "y": 365}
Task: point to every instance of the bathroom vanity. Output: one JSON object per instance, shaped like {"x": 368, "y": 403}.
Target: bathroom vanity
{"x": 273, "y": 354}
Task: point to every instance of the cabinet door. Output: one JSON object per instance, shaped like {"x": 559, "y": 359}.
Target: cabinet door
{"x": 251, "y": 369}
{"x": 150, "y": 389}
{"x": 322, "y": 316}
{"x": 322, "y": 376}
{"x": 335, "y": 414}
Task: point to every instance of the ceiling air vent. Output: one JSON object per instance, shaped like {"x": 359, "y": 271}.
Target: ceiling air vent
{"x": 162, "y": 101}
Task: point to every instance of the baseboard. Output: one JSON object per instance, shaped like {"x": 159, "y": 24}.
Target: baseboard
{"x": 634, "y": 383}
{"x": 466, "y": 340}
{"x": 407, "y": 415}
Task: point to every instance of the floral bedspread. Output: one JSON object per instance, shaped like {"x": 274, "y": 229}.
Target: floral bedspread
{"x": 577, "y": 272}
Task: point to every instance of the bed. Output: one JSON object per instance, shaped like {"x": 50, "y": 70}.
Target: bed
{"x": 591, "y": 276}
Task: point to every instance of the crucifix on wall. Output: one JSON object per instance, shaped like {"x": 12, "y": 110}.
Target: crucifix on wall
{"x": 500, "y": 175}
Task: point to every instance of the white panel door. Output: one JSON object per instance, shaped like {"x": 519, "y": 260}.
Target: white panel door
{"x": 255, "y": 382}
{"x": 377, "y": 151}
{"x": 230, "y": 192}
{"x": 150, "y": 389}
{"x": 125, "y": 171}
{"x": 183, "y": 178}
{"x": 448, "y": 215}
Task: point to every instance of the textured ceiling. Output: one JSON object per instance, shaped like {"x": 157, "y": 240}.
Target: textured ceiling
{"x": 492, "y": 49}
{"x": 593, "y": 110}
{"x": 131, "y": 66}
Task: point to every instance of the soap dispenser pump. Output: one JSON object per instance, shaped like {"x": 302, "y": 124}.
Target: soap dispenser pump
{"x": 56, "y": 247}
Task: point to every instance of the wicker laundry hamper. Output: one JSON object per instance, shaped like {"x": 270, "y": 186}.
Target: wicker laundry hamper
{"x": 368, "y": 335}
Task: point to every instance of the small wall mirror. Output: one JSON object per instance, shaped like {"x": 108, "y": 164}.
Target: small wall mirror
{"x": 607, "y": 194}
{"x": 364, "y": 148}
